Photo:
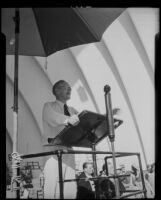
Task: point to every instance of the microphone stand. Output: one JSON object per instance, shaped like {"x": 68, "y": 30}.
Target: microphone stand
{"x": 110, "y": 124}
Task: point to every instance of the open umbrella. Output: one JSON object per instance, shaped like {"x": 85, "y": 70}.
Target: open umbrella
{"x": 43, "y": 31}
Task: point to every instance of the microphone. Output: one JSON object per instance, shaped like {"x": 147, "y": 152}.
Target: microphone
{"x": 107, "y": 89}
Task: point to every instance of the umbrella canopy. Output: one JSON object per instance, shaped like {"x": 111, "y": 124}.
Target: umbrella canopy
{"x": 44, "y": 31}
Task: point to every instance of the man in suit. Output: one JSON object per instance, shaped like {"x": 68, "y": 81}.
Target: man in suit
{"x": 86, "y": 187}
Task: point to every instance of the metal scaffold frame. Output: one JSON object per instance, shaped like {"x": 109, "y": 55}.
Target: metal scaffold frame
{"x": 61, "y": 152}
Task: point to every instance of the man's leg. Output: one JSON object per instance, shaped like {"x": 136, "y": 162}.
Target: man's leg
{"x": 51, "y": 176}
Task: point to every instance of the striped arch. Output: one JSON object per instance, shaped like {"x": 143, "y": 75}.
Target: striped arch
{"x": 127, "y": 22}
{"x": 102, "y": 47}
{"x": 85, "y": 82}
{"x": 27, "y": 105}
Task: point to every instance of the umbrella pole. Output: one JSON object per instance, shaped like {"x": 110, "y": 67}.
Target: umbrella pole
{"x": 15, "y": 159}
{"x": 110, "y": 124}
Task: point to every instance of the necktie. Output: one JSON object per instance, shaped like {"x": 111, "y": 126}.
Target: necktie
{"x": 66, "y": 112}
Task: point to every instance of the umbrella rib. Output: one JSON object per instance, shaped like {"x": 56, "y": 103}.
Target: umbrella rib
{"x": 86, "y": 23}
{"x": 44, "y": 45}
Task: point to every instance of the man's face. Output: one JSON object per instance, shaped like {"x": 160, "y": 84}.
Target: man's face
{"x": 64, "y": 91}
{"x": 89, "y": 169}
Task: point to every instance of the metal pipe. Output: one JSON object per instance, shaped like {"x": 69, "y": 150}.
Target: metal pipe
{"x": 142, "y": 176}
{"x": 75, "y": 152}
{"x": 95, "y": 178}
{"x": 59, "y": 155}
{"x": 115, "y": 172}
{"x": 95, "y": 170}
{"x": 134, "y": 193}
{"x": 122, "y": 155}
{"x": 94, "y": 159}
{"x": 39, "y": 154}
{"x": 109, "y": 114}
{"x": 16, "y": 184}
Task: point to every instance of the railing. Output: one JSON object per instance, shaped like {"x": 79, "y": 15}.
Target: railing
{"x": 60, "y": 152}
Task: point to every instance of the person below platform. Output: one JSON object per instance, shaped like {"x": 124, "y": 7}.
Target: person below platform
{"x": 86, "y": 187}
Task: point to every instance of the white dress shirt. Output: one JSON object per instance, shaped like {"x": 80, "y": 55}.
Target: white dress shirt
{"x": 53, "y": 118}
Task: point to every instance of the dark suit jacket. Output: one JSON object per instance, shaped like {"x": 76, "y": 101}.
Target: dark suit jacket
{"x": 84, "y": 190}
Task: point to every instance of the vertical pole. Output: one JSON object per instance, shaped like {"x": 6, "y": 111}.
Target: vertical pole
{"x": 109, "y": 189}
{"x": 115, "y": 173}
{"x": 95, "y": 170}
{"x": 142, "y": 176}
{"x": 16, "y": 171}
{"x": 110, "y": 126}
{"x": 109, "y": 115}
{"x": 106, "y": 166}
{"x": 94, "y": 159}
{"x": 59, "y": 155}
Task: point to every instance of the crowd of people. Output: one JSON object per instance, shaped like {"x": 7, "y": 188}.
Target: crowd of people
{"x": 106, "y": 187}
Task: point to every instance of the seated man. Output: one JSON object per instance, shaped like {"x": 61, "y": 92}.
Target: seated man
{"x": 86, "y": 187}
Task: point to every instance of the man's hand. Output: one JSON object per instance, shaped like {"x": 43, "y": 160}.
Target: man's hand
{"x": 116, "y": 111}
{"x": 73, "y": 120}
